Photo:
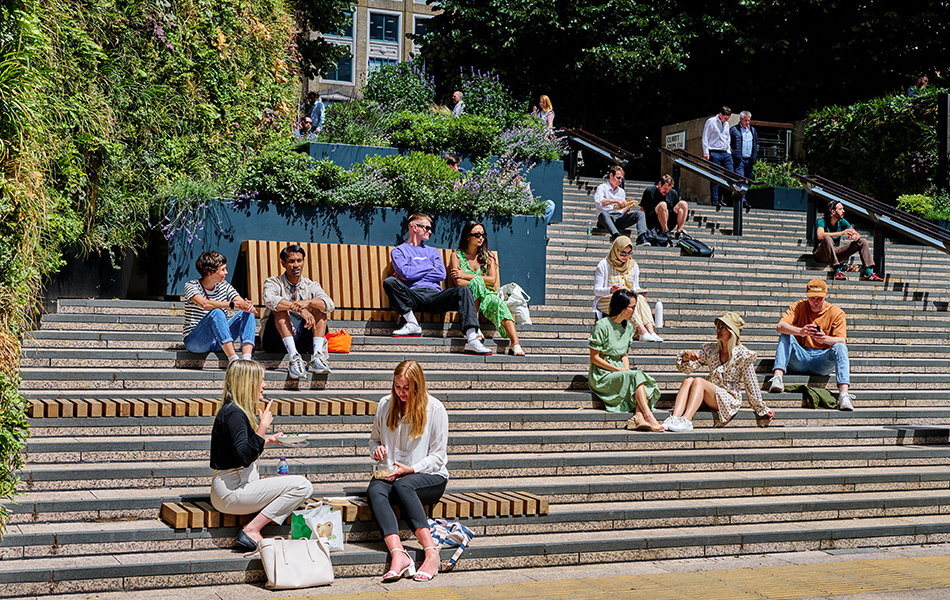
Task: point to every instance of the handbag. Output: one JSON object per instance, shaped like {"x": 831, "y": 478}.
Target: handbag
{"x": 693, "y": 247}
{"x": 450, "y": 533}
{"x": 516, "y": 299}
{"x": 318, "y": 520}
{"x": 339, "y": 342}
{"x": 293, "y": 564}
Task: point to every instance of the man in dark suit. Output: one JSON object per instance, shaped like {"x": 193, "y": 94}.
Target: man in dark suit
{"x": 745, "y": 145}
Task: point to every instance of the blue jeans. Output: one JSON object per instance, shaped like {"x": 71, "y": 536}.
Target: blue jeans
{"x": 215, "y": 329}
{"x": 791, "y": 356}
{"x": 724, "y": 160}
{"x": 549, "y": 207}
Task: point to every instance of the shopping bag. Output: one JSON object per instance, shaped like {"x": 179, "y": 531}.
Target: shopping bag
{"x": 319, "y": 520}
{"x": 339, "y": 342}
{"x": 517, "y": 301}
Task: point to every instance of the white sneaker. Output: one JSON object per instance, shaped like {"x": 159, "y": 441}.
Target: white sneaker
{"x": 477, "y": 347}
{"x": 776, "y": 385}
{"x": 844, "y": 401}
{"x": 297, "y": 369}
{"x": 669, "y": 421}
{"x": 650, "y": 337}
{"x": 318, "y": 365}
{"x": 681, "y": 425}
{"x": 408, "y": 330}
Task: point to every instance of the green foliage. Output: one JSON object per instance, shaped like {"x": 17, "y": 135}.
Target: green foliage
{"x": 402, "y": 86}
{"x": 486, "y": 96}
{"x": 884, "y": 147}
{"x": 776, "y": 174}
{"x": 916, "y": 204}
{"x": 314, "y": 54}
{"x": 530, "y": 140}
{"x": 356, "y": 122}
{"x": 418, "y": 181}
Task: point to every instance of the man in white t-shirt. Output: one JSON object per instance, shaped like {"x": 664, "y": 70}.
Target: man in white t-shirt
{"x": 614, "y": 212}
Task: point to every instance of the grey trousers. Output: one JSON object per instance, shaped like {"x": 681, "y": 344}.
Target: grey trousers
{"x": 243, "y": 492}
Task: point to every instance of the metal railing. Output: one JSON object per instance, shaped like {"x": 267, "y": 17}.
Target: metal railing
{"x": 716, "y": 174}
{"x": 880, "y": 214}
{"x": 580, "y": 139}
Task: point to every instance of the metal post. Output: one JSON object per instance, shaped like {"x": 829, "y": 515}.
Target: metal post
{"x": 811, "y": 218}
{"x": 736, "y": 213}
{"x": 879, "y": 248}
{"x": 572, "y": 165}
{"x": 943, "y": 139}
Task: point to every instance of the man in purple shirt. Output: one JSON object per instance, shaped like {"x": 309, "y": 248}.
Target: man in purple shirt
{"x": 417, "y": 285}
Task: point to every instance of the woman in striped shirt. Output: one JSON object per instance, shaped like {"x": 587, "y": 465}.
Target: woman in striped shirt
{"x": 617, "y": 272}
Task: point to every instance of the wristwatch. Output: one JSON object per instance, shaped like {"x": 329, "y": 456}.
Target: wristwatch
{"x": 232, "y": 304}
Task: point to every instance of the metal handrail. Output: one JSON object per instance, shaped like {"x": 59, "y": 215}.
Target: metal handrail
{"x": 881, "y": 214}
{"x": 611, "y": 152}
{"x": 716, "y": 174}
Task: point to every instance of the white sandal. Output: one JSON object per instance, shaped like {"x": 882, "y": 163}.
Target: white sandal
{"x": 391, "y": 575}
{"x": 422, "y": 575}
{"x": 516, "y": 350}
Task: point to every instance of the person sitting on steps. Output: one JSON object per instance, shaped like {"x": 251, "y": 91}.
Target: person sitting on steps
{"x": 664, "y": 209}
{"x": 613, "y": 211}
{"x": 832, "y": 227}
{"x": 619, "y": 271}
{"x": 731, "y": 367}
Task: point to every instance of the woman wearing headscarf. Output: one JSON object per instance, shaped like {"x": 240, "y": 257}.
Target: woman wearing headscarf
{"x": 618, "y": 271}
{"x": 731, "y": 367}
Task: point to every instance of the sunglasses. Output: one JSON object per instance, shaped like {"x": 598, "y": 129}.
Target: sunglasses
{"x": 721, "y": 327}
{"x": 624, "y": 254}
{"x": 425, "y": 227}
{"x": 480, "y": 236}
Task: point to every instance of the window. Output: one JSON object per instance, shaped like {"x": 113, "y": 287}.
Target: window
{"x": 347, "y": 31}
{"x": 383, "y": 28}
{"x": 343, "y": 71}
{"x": 422, "y": 26}
{"x": 376, "y": 62}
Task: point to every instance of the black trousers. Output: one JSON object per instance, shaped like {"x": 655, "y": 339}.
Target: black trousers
{"x": 409, "y": 493}
{"x": 430, "y": 300}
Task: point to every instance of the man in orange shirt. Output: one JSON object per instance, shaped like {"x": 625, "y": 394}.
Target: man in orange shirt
{"x": 813, "y": 340}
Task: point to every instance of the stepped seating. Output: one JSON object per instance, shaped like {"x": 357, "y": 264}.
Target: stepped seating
{"x": 90, "y": 496}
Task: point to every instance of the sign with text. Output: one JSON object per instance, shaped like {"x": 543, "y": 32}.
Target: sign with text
{"x": 676, "y": 140}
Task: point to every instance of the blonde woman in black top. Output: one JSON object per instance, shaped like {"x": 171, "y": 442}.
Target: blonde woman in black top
{"x": 237, "y": 440}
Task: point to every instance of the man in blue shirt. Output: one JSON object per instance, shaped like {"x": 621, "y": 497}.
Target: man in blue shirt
{"x": 314, "y": 109}
{"x": 745, "y": 148}
{"x": 716, "y": 146}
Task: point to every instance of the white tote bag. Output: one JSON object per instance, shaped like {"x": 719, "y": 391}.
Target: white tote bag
{"x": 293, "y": 564}
{"x": 517, "y": 301}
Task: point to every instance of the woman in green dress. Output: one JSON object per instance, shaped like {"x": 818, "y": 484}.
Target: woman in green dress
{"x": 473, "y": 265}
{"x": 610, "y": 377}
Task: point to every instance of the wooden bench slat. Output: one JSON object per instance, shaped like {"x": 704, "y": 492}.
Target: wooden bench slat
{"x": 174, "y": 515}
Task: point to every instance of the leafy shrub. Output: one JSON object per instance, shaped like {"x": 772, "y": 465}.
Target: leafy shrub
{"x": 496, "y": 188}
{"x": 473, "y": 134}
{"x": 356, "y": 122}
{"x": 915, "y": 204}
{"x": 485, "y": 95}
{"x": 425, "y": 132}
{"x": 279, "y": 172}
{"x": 421, "y": 181}
{"x": 528, "y": 140}
{"x": 776, "y": 174}
{"x": 402, "y": 86}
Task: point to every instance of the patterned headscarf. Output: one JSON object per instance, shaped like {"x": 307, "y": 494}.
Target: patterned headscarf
{"x": 622, "y": 266}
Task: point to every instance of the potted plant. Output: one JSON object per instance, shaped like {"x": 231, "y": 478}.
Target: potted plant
{"x": 779, "y": 190}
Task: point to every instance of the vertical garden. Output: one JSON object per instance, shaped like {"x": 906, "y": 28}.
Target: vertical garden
{"x": 106, "y": 108}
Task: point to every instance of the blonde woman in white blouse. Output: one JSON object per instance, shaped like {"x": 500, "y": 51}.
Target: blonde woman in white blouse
{"x": 731, "y": 367}
{"x": 619, "y": 271}
{"x": 412, "y": 429}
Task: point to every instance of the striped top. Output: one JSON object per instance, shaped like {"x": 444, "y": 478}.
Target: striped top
{"x": 222, "y": 292}
{"x": 606, "y": 276}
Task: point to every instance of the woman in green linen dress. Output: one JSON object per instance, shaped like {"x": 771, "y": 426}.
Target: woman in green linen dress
{"x": 610, "y": 377}
{"x": 473, "y": 265}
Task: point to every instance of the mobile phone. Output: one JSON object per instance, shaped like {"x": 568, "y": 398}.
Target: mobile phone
{"x": 818, "y": 327}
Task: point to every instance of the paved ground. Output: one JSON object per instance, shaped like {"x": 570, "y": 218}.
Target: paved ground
{"x": 900, "y": 573}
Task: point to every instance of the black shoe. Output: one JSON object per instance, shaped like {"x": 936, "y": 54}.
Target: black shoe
{"x": 683, "y": 236}
{"x": 746, "y": 206}
{"x": 245, "y": 541}
{"x": 718, "y": 204}
{"x": 641, "y": 239}
{"x": 614, "y": 236}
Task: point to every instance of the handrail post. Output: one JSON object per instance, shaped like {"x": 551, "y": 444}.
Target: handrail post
{"x": 811, "y": 217}
{"x": 736, "y": 214}
{"x": 879, "y": 248}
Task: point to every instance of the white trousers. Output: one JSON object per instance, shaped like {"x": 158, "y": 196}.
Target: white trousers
{"x": 242, "y": 492}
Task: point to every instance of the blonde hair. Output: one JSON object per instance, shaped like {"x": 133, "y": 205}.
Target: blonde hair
{"x": 416, "y": 405}
{"x": 242, "y": 386}
{"x": 546, "y": 103}
{"x": 730, "y": 345}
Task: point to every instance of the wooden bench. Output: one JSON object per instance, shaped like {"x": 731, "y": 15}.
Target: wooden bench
{"x": 199, "y": 513}
{"x": 189, "y": 407}
{"x": 352, "y": 275}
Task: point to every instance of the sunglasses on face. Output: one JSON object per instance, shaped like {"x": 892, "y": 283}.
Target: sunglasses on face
{"x": 720, "y": 327}
{"x": 480, "y": 236}
{"x": 623, "y": 254}
{"x": 425, "y": 227}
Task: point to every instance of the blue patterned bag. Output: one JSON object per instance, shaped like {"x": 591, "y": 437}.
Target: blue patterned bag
{"x": 448, "y": 534}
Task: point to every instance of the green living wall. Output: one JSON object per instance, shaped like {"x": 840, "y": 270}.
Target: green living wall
{"x": 106, "y": 108}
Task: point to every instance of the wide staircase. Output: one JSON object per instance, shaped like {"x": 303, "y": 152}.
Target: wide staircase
{"x": 87, "y": 513}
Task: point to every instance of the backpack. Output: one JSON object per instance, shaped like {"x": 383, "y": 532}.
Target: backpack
{"x": 654, "y": 237}
{"x": 693, "y": 247}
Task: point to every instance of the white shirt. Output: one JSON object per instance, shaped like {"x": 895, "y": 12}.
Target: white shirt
{"x": 426, "y": 453}
{"x": 602, "y": 281}
{"x": 716, "y": 135}
{"x": 604, "y": 191}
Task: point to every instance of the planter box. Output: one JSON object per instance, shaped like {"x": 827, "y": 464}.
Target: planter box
{"x": 519, "y": 240}
{"x": 778, "y": 198}
{"x": 546, "y": 177}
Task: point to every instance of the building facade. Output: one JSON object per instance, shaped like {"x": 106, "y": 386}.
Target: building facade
{"x": 376, "y": 36}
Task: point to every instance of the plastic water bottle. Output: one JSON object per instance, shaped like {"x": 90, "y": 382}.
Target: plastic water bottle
{"x": 658, "y": 314}
{"x": 282, "y": 468}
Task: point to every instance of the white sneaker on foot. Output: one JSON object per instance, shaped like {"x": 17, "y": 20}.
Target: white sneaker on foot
{"x": 318, "y": 365}
{"x": 776, "y": 385}
{"x": 844, "y": 401}
{"x": 681, "y": 425}
{"x": 650, "y": 337}
{"x": 297, "y": 369}
{"x": 477, "y": 347}
{"x": 408, "y": 330}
